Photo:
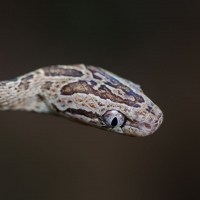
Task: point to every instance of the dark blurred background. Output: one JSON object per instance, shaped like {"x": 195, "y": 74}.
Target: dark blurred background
{"x": 153, "y": 43}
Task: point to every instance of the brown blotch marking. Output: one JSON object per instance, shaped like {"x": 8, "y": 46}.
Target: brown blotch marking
{"x": 24, "y": 84}
{"x": 119, "y": 92}
{"x": 40, "y": 97}
{"x": 112, "y": 82}
{"x": 93, "y": 82}
{"x": 149, "y": 109}
{"x": 141, "y": 99}
{"x": 100, "y": 104}
{"x": 82, "y": 112}
{"x": 79, "y": 100}
{"x": 103, "y": 92}
{"x": 97, "y": 77}
{"x": 93, "y": 70}
{"x": 92, "y": 105}
{"x": 77, "y": 112}
{"x": 103, "y": 109}
{"x": 137, "y": 106}
{"x": 47, "y": 85}
{"x": 60, "y": 71}
{"x": 126, "y": 110}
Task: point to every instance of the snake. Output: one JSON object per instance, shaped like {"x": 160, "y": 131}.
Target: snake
{"x": 86, "y": 94}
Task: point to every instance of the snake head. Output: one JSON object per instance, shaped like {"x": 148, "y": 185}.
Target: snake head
{"x": 107, "y": 101}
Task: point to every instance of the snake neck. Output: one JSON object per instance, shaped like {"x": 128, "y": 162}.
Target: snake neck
{"x": 22, "y": 93}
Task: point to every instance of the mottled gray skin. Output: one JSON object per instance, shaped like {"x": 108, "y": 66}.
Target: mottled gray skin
{"x": 86, "y": 94}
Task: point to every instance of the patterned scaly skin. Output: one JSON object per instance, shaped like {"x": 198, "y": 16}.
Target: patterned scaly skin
{"x": 86, "y": 94}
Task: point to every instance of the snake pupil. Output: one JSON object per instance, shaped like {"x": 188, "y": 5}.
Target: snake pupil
{"x": 114, "y": 122}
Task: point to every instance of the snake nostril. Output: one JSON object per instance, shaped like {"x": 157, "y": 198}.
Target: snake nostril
{"x": 148, "y": 126}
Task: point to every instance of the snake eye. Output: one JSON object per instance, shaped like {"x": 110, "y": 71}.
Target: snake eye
{"x": 114, "y": 118}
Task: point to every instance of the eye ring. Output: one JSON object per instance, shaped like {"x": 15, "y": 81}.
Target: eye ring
{"x": 114, "y": 118}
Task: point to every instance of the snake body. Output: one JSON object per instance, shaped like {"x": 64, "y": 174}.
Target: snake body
{"x": 86, "y": 94}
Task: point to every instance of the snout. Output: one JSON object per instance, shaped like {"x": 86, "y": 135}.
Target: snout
{"x": 149, "y": 128}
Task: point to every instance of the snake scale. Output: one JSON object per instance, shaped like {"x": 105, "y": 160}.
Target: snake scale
{"x": 86, "y": 94}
